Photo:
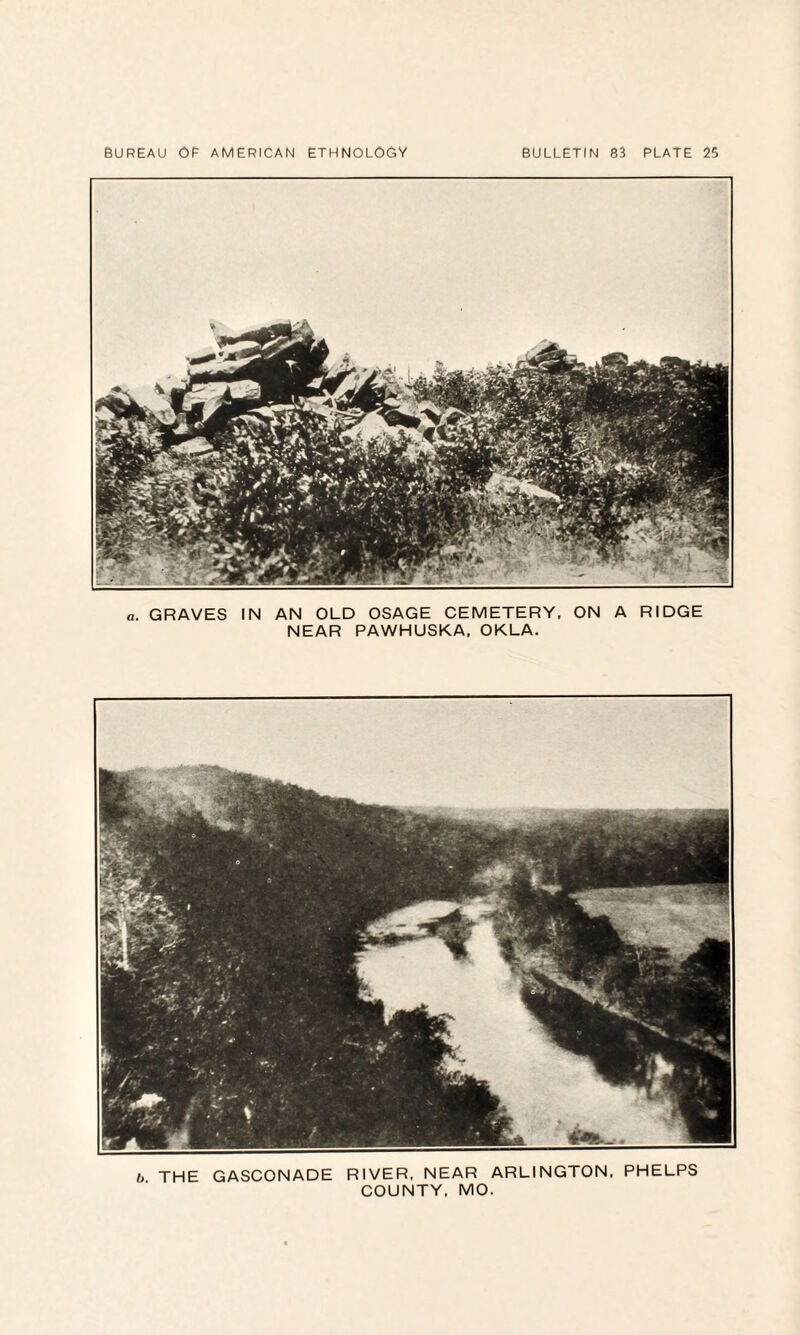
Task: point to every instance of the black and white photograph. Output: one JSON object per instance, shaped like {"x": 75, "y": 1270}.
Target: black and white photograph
{"x": 400, "y": 381}
{"x": 414, "y": 922}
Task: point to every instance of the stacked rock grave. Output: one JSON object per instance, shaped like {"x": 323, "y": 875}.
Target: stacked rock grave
{"x": 265, "y": 371}
{"x": 548, "y": 358}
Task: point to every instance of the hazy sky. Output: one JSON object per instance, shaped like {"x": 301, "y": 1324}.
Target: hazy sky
{"x": 407, "y": 272}
{"x": 551, "y": 752}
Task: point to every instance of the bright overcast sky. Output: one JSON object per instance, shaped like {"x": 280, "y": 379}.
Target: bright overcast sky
{"x": 548, "y": 752}
{"x": 406, "y": 272}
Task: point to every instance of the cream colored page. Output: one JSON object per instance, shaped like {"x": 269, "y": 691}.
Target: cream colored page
{"x": 463, "y": 89}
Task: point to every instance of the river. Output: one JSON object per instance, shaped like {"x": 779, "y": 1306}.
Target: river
{"x": 560, "y": 1084}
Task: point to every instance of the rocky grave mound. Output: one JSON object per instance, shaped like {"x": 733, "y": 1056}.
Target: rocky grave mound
{"x": 550, "y": 358}
{"x": 266, "y": 370}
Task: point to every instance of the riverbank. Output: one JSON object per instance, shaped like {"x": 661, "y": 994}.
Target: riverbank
{"x": 539, "y": 973}
{"x": 619, "y": 1040}
{"x": 608, "y": 1088}
{"x": 553, "y": 943}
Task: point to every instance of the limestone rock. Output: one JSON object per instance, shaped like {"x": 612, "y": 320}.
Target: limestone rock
{"x": 272, "y": 372}
{"x": 172, "y": 388}
{"x": 337, "y": 371}
{"x": 615, "y": 359}
{"x": 502, "y": 484}
{"x": 371, "y": 427}
{"x": 215, "y": 410}
{"x": 256, "y": 333}
{"x": 244, "y": 392}
{"x": 543, "y": 347}
{"x": 247, "y": 368}
{"x": 360, "y": 394}
{"x": 236, "y": 351}
{"x": 182, "y": 430}
{"x": 546, "y": 357}
{"x": 302, "y": 329}
{"x": 222, "y": 333}
{"x": 275, "y": 349}
{"x": 202, "y": 355}
{"x": 346, "y": 386}
{"x": 297, "y": 351}
{"x": 194, "y": 448}
{"x": 194, "y": 400}
{"x": 404, "y": 415}
{"x": 276, "y": 380}
{"x": 263, "y": 333}
{"x": 452, "y": 415}
{"x": 674, "y": 364}
{"x": 117, "y": 400}
{"x": 152, "y": 404}
{"x": 399, "y": 395}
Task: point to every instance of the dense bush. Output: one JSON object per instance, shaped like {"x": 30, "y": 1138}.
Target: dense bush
{"x": 297, "y": 502}
{"x": 145, "y": 508}
{"x": 618, "y": 447}
{"x": 637, "y": 457}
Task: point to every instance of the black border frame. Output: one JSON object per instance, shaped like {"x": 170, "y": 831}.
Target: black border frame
{"x": 694, "y": 1146}
{"x": 405, "y": 588}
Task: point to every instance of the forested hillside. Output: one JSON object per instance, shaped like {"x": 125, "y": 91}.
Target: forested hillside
{"x": 230, "y": 908}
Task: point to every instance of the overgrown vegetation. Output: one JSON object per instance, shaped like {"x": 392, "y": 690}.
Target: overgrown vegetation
{"x": 637, "y": 456}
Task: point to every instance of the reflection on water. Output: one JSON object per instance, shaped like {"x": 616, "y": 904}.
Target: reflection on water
{"x": 563, "y": 1077}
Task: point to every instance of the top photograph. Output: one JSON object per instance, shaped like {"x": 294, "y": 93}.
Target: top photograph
{"x": 419, "y": 382}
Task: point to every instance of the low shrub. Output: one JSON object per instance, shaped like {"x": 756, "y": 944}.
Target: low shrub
{"x": 295, "y": 502}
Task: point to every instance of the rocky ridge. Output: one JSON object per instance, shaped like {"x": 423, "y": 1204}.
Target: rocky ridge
{"x": 266, "y": 370}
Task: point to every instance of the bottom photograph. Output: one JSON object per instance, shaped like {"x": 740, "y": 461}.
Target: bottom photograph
{"x": 412, "y": 922}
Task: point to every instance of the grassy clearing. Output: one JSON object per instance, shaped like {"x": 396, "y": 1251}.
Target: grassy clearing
{"x": 676, "y": 918}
